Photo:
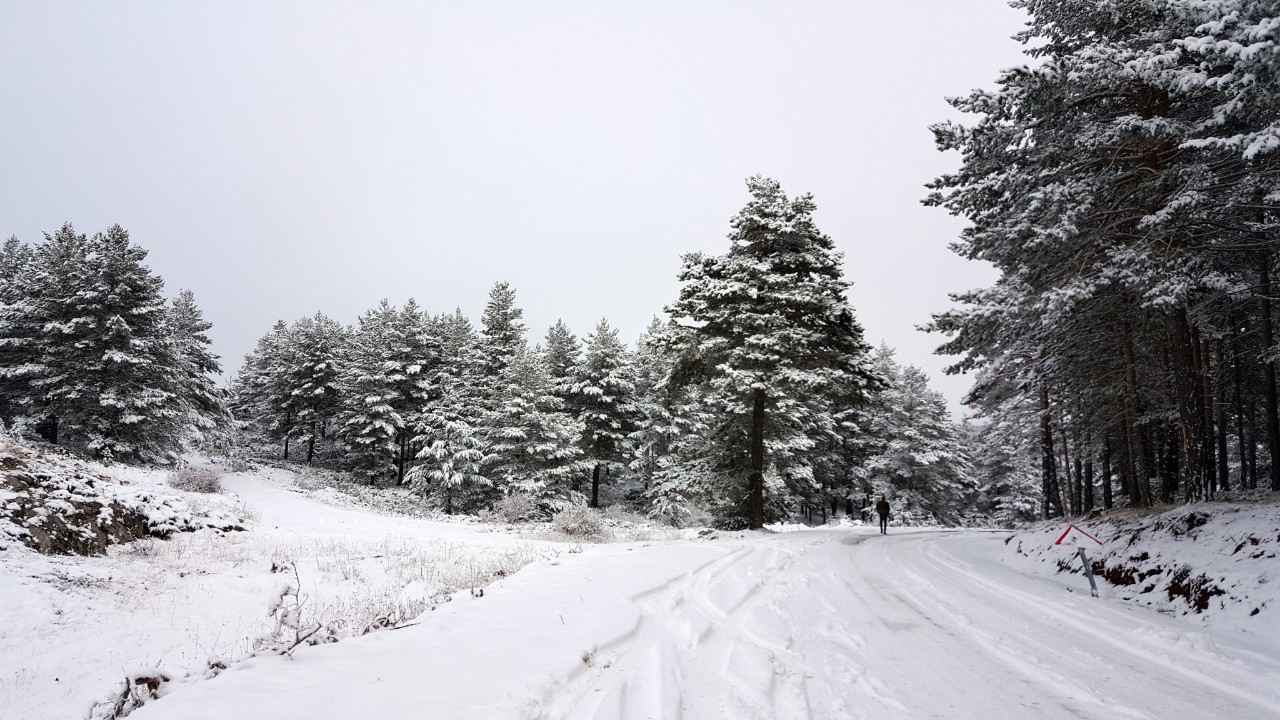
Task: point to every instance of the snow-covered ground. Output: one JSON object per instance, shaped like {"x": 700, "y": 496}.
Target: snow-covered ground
{"x": 73, "y": 627}
{"x": 818, "y": 624}
{"x": 827, "y": 623}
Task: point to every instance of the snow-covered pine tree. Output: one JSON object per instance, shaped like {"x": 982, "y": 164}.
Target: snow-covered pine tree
{"x": 533, "y": 445}
{"x": 316, "y": 345}
{"x": 386, "y": 381}
{"x": 262, "y": 398}
{"x": 369, "y": 422}
{"x": 655, "y": 429}
{"x": 109, "y": 361}
{"x": 768, "y": 329}
{"x": 92, "y": 355}
{"x": 502, "y": 328}
{"x": 41, "y": 324}
{"x": 563, "y": 353}
{"x": 1005, "y": 455}
{"x": 603, "y": 395}
{"x": 16, "y": 329}
{"x": 453, "y": 455}
{"x": 672, "y": 443}
{"x": 195, "y": 366}
{"x": 913, "y": 454}
{"x": 1124, "y": 186}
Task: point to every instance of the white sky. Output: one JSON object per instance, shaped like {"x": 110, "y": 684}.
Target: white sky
{"x": 280, "y": 158}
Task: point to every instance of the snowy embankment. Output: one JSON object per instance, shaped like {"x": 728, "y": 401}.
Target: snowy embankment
{"x": 74, "y": 627}
{"x": 1214, "y": 564}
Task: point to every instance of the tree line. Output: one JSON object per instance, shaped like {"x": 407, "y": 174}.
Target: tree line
{"x": 1127, "y": 187}
{"x": 757, "y": 395}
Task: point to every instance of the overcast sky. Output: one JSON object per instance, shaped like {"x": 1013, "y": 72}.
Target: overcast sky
{"x": 282, "y": 158}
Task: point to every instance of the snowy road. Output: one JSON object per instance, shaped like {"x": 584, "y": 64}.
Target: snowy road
{"x": 822, "y": 624}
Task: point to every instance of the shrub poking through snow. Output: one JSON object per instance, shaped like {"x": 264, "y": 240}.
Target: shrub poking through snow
{"x": 579, "y": 521}
{"x": 238, "y": 465}
{"x": 518, "y": 508}
{"x": 191, "y": 479}
{"x": 139, "y": 688}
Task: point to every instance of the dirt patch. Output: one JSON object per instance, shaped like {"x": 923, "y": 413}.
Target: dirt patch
{"x": 1196, "y": 591}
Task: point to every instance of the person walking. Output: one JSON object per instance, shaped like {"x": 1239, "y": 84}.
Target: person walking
{"x": 882, "y": 508}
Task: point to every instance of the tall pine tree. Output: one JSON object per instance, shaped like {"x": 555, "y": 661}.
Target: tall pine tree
{"x": 767, "y": 327}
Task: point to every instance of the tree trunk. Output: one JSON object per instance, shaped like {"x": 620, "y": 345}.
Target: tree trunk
{"x": 595, "y": 486}
{"x": 1088, "y": 485}
{"x": 1051, "y": 505}
{"x": 1139, "y": 490}
{"x": 1210, "y": 443}
{"x": 755, "y": 485}
{"x": 311, "y": 441}
{"x": 1067, "y": 499}
{"x": 1220, "y": 397}
{"x": 1237, "y": 380}
{"x": 1186, "y": 368}
{"x": 1107, "y": 499}
{"x": 288, "y": 419}
{"x": 1269, "y": 382}
{"x": 402, "y": 458}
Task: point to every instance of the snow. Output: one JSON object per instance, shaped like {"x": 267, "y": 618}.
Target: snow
{"x": 827, "y": 624}
{"x": 74, "y": 627}
{"x": 837, "y": 622}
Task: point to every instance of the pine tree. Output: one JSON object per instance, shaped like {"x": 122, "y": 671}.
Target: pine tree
{"x": 108, "y": 366}
{"x": 312, "y": 371}
{"x": 16, "y": 332}
{"x": 563, "y": 353}
{"x": 453, "y": 456}
{"x": 913, "y": 454}
{"x": 40, "y": 327}
{"x": 655, "y": 430}
{"x": 195, "y": 366}
{"x": 767, "y": 328}
{"x": 503, "y": 331}
{"x": 385, "y": 384}
{"x": 1124, "y": 187}
{"x": 534, "y": 447}
{"x": 603, "y": 394}
{"x": 262, "y": 398}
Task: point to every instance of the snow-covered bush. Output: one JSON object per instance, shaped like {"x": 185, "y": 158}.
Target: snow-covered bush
{"x": 139, "y": 688}
{"x": 518, "y": 508}
{"x": 238, "y": 465}
{"x": 192, "y": 479}
{"x": 579, "y": 521}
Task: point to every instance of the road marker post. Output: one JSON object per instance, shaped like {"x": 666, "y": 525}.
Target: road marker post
{"x": 1079, "y": 539}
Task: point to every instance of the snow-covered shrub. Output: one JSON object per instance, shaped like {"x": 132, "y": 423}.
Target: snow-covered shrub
{"x": 291, "y": 629}
{"x": 518, "y": 508}
{"x": 579, "y": 521}
{"x": 192, "y": 479}
{"x": 238, "y": 465}
{"x": 139, "y": 688}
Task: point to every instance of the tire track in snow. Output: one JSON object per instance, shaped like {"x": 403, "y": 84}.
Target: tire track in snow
{"x": 1103, "y": 648}
{"x": 696, "y": 635}
{"x": 839, "y": 625}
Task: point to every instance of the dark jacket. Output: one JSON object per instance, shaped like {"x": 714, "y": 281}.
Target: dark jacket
{"x": 882, "y": 507}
